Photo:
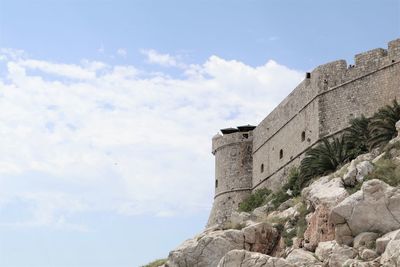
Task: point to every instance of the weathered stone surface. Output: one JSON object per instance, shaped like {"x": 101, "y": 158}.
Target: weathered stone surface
{"x": 319, "y": 228}
{"x": 301, "y": 257}
{"x": 208, "y": 249}
{"x": 340, "y": 254}
{"x": 325, "y": 191}
{"x": 398, "y": 128}
{"x": 343, "y": 234}
{"x": 368, "y": 254}
{"x": 366, "y": 239}
{"x": 243, "y": 258}
{"x": 289, "y": 213}
{"x": 363, "y": 168}
{"x": 360, "y": 263}
{"x": 382, "y": 242}
{"x": 349, "y": 179}
{"x": 324, "y": 250}
{"x": 375, "y": 208}
{"x": 391, "y": 256}
{"x": 238, "y": 218}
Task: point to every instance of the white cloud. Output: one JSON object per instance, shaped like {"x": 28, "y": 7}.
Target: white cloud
{"x": 122, "y": 52}
{"x": 166, "y": 60}
{"x": 117, "y": 139}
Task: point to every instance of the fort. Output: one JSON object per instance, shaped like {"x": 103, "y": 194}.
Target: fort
{"x": 248, "y": 158}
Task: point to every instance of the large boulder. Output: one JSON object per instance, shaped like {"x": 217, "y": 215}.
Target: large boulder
{"x": 325, "y": 191}
{"x": 319, "y": 228}
{"x": 366, "y": 240}
{"x": 375, "y": 208}
{"x": 382, "y": 242}
{"x": 243, "y": 258}
{"x": 300, "y": 257}
{"x": 340, "y": 254}
{"x": 207, "y": 249}
{"x": 324, "y": 250}
{"x": 391, "y": 256}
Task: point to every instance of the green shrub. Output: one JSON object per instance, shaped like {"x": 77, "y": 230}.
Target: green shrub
{"x": 386, "y": 170}
{"x": 156, "y": 263}
{"x": 288, "y": 237}
{"x": 357, "y": 136}
{"x": 255, "y": 200}
{"x": 301, "y": 224}
{"x": 278, "y": 198}
{"x": 294, "y": 183}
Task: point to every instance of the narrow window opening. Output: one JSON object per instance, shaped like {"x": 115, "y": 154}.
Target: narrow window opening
{"x": 246, "y": 135}
{"x": 308, "y": 75}
{"x": 281, "y": 154}
{"x": 262, "y": 168}
{"x": 303, "y": 136}
{"x": 216, "y": 183}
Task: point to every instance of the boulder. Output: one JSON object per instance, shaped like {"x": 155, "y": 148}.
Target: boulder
{"x": 291, "y": 213}
{"x": 245, "y": 258}
{"x": 361, "y": 263}
{"x": 368, "y": 254}
{"x": 340, "y": 254}
{"x": 349, "y": 179}
{"x": 382, "y": 242}
{"x": 324, "y": 250}
{"x": 398, "y": 129}
{"x": 325, "y": 191}
{"x": 319, "y": 228}
{"x": 375, "y": 208}
{"x": 207, "y": 249}
{"x": 363, "y": 169}
{"x": 366, "y": 239}
{"x": 239, "y": 218}
{"x": 300, "y": 257}
{"x": 391, "y": 256}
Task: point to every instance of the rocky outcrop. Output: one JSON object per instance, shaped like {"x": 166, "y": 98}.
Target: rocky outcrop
{"x": 207, "y": 249}
{"x": 300, "y": 257}
{"x": 375, "y": 208}
{"x": 245, "y": 258}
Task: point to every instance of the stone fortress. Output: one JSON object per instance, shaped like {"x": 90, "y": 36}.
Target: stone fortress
{"x": 248, "y": 158}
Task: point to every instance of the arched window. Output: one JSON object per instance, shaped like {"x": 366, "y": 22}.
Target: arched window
{"x": 303, "y": 136}
{"x": 262, "y": 168}
{"x": 281, "y": 154}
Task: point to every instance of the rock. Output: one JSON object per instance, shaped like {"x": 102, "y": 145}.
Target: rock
{"x": 366, "y": 239}
{"x": 324, "y": 250}
{"x": 239, "y": 218}
{"x": 325, "y": 191}
{"x": 363, "y": 168}
{"x": 340, "y": 254}
{"x": 300, "y": 257}
{"x": 349, "y": 179}
{"x": 245, "y": 258}
{"x": 391, "y": 256}
{"x": 360, "y": 263}
{"x": 375, "y": 208}
{"x": 262, "y": 211}
{"x": 382, "y": 242}
{"x": 398, "y": 128}
{"x": 343, "y": 234}
{"x": 319, "y": 228}
{"x": 291, "y": 213}
{"x": 368, "y": 254}
{"x": 207, "y": 249}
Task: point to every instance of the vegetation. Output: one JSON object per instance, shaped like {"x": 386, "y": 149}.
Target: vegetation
{"x": 357, "y": 136}
{"x": 382, "y": 126}
{"x": 323, "y": 158}
{"x": 255, "y": 200}
{"x": 386, "y": 170}
{"x": 156, "y": 263}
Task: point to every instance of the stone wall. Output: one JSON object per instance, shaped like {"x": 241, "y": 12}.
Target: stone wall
{"x": 321, "y": 106}
{"x": 233, "y": 172}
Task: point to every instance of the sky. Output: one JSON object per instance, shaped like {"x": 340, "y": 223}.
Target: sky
{"x": 107, "y": 110}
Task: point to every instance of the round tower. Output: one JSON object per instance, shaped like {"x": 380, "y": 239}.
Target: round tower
{"x": 233, "y": 171}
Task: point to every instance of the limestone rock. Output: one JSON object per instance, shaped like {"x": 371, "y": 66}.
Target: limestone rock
{"x": 324, "y": 250}
{"x": 391, "y": 256}
{"x": 363, "y": 168}
{"x": 238, "y": 218}
{"x": 360, "y": 263}
{"x": 243, "y": 258}
{"x": 340, "y": 254}
{"x": 207, "y": 249}
{"x": 398, "y": 128}
{"x": 325, "y": 191}
{"x": 319, "y": 228}
{"x": 375, "y": 208}
{"x": 366, "y": 239}
{"x": 349, "y": 179}
{"x": 300, "y": 257}
{"x": 368, "y": 254}
{"x": 343, "y": 234}
{"x": 289, "y": 213}
{"x": 382, "y": 242}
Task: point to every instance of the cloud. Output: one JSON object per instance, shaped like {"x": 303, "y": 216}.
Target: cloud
{"x": 166, "y": 60}
{"x": 122, "y": 52}
{"x": 89, "y": 137}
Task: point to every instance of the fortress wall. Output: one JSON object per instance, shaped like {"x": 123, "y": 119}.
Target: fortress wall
{"x": 233, "y": 172}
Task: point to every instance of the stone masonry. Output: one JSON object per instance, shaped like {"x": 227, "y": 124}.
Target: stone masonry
{"x": 320, "y": 106}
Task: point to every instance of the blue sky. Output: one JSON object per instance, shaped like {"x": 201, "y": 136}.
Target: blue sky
{"x": 107, "y": 109}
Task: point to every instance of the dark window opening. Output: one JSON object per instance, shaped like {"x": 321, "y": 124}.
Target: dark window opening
{"x": 303, "y": 136}
{"x": 281, "y": 154}
{"x": 216, "y": 183}
{"x": 308, "y": 75}
{"x": 246, "y": 135}
{"x": 262, "y": 168}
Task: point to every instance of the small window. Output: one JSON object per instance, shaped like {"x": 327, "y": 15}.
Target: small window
{"x": 281, "y": 154}
{"x": 308, "y": 75}
{"x": 216, "y": 183}
{"x": 262, "y": 168}
{"x": 246, "y": 135}
{"x": 303, "y": 136}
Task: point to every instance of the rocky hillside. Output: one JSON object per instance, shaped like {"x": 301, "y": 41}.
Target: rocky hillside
{"x": 348, "y": 218}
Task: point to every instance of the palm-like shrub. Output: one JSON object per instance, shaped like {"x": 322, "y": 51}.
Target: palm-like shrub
{"x": 323, "y": 158}
{"x": 357, "y": 136}
{"x": 382, "y": 126}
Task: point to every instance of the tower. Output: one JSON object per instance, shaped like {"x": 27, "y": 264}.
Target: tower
{"x": 233, "y": 171}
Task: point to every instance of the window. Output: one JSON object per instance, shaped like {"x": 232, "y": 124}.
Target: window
{"x": 281, "y": 154}
{"x": 246, "y": 135}
{"x": 308, "y": 75}
{"x": 216, "y": 183}
{"x": 303, "y": 136}
{"x": 262, "y": 168}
